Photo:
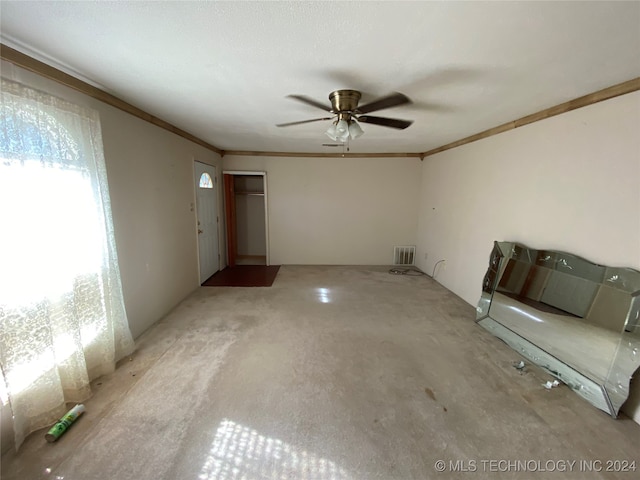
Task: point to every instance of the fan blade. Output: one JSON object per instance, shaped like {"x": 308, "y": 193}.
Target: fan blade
{"x": 310, "y": 101}
{"x": 303, "y": 121}
{"x": 386, "y": 122}
{"x": 389, "y": 101}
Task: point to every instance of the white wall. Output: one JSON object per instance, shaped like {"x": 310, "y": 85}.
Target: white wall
{"x": 151, "y": 184}
{"x": 337, "y": 211}
{"x": 151, "y": 181}
{"x": 570, "y": 183}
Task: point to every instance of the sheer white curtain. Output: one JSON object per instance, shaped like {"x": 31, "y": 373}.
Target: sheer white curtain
{"x": 62, "y": 316}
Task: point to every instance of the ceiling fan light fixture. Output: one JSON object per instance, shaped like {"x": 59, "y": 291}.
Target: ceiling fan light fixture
{"x": 342, "y": 130}
{"x": 355, "y": 130}
{"x": 331, "y": 132}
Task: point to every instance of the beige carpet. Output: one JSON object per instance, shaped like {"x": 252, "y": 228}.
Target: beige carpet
{"x": 332, "y": 373}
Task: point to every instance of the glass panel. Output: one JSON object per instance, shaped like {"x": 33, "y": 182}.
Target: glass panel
{"x": 205, "y": 181}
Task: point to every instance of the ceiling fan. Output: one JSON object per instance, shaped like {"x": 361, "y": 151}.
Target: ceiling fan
{"x": 346, "y": 113}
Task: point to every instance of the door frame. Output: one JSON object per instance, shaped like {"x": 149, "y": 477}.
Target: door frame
{"x": 195, "y": 210}
{"x": 263, "y": 174}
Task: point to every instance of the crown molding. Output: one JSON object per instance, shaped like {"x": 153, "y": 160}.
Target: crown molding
{"x": 586, "y": 100}
{"x": 322, "y": 155}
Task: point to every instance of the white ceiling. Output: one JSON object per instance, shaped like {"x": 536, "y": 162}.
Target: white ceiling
{"x": 222, "y": 70}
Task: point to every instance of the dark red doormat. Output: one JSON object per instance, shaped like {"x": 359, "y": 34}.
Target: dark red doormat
{"x": 244, "y": 276}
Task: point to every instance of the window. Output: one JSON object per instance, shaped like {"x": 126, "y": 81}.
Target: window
{"x": 205, "y": 181}
{"x": 62, "y": 311}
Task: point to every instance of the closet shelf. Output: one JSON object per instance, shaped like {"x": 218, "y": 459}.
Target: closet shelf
{"x": 260, "y": 194}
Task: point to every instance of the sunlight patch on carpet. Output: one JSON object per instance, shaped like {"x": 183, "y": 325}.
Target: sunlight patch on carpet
{"x": 241, "y": 453}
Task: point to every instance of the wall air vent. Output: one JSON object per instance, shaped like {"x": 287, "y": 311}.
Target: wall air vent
{"x": 404, "y": 255}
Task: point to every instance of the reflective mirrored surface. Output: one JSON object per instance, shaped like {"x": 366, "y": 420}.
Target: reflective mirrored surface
{"x": 577, "y": 319}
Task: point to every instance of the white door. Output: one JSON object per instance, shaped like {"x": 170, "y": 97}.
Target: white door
{"x": 207, "y": 219}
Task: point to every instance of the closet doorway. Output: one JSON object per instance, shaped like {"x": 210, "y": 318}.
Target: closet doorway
{"x": 245, "y": 195}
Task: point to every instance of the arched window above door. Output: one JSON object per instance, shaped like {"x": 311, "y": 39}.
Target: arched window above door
{"x": 205, "y": 181}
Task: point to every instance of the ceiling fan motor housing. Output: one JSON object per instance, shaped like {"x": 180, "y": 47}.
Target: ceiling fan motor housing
{"x": 343, "y": 101}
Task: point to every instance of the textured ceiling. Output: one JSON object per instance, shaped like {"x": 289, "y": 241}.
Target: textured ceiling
{"x": 222, "y": 70}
